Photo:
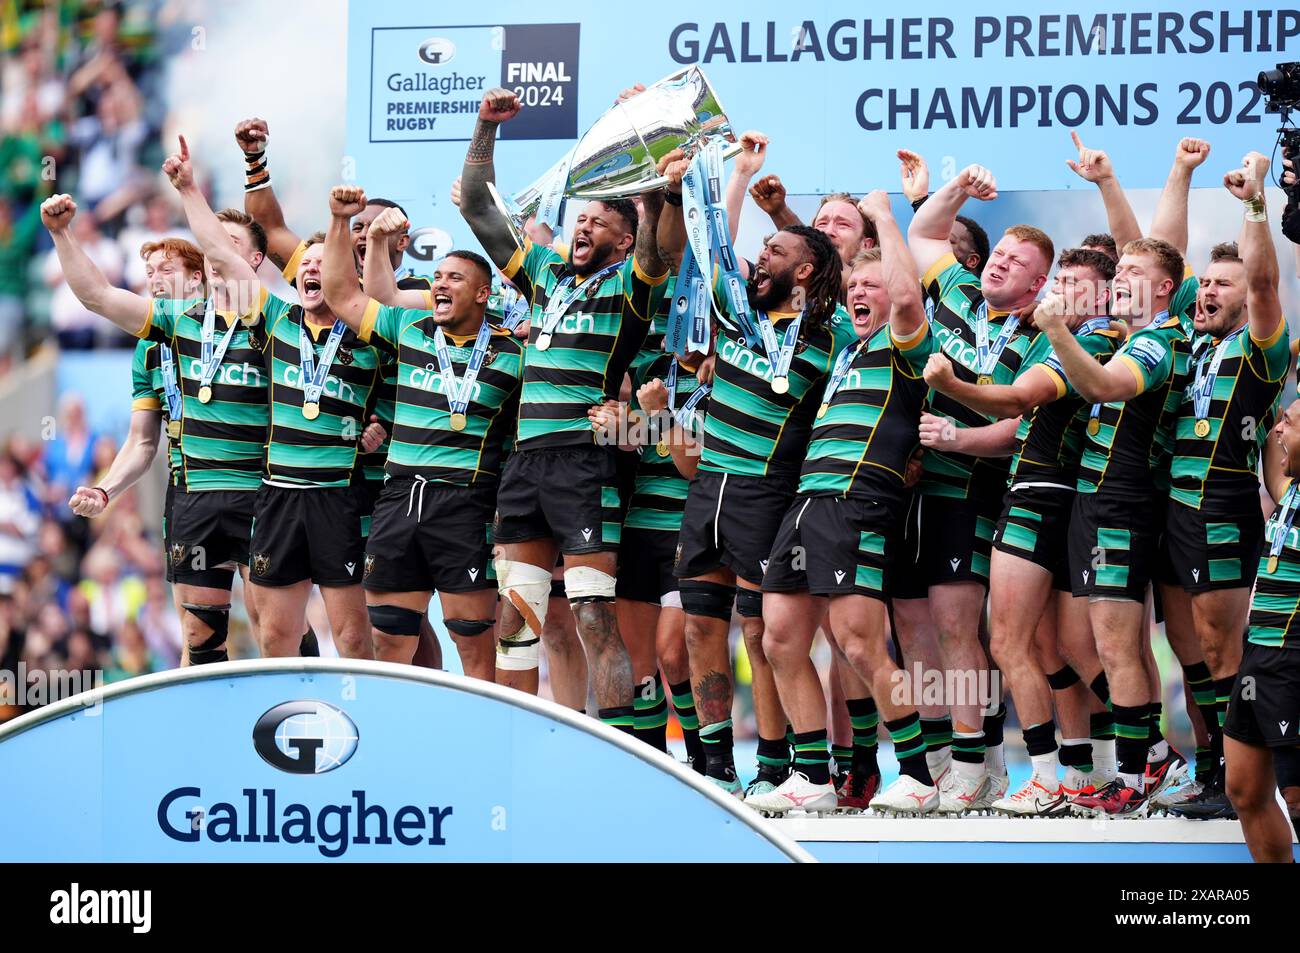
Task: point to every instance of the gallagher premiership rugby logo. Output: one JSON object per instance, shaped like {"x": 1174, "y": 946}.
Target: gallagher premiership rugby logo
{"x": 305, "y": 737}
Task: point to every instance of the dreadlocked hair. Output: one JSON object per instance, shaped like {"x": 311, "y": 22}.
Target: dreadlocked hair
{"x": 823, "y": 287}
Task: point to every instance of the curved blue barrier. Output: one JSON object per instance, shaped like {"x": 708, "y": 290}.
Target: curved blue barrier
{"x": 325, "y": 759}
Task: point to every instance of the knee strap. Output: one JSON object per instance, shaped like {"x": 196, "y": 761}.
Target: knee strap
{"x": 710, "y": 599}
{"x": 749, "y": 603}
{"x": 557, "y": 589}
{"x": 213, "y": 648}
{"x": 527, "y": 588}
{"x": 1286, "y": 767}
{"x": 585, "y": 584}
{"x": 468, "y": 627}
{"x": 1060, "y": 681}
{"x": 394, "y": 620}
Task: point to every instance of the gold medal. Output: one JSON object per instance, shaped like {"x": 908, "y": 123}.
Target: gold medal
{"x": 311, "y": 411}
{"x": 1094, "y": 427}
{"x": 780, "y": 384}
{"x": 205, "y": 394}
{"x": 821, "y": 411}
{"x": 458, "y": 421}
{"x": 1202, "y": 428}
{"x": 173, "y": 428}
{"x": 661, "y": 448}
{"x": 1272, "y": 565}
{"x": 984, "y": 380}
{"x": 543, "y": 341}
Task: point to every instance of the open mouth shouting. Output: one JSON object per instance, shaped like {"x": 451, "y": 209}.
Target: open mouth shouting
{"x": 442, "y": 304}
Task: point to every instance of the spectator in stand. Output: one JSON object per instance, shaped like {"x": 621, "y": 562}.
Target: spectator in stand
{"x": 17, "y": 239}
{"x": 19, "y": 519}
{"x": 109, "y": 144}
{"x": 160, "y": 623}
{"x": 76, "y": 327}
{"x": 132, "y": 655}
{"x": 69, "y": 457}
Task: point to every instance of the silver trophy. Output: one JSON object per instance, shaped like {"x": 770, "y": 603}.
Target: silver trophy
{"x": 616, "y": 157}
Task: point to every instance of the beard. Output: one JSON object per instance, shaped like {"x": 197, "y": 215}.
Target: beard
{"x": 1224, "y": 321}
{"x": 778, "y": 291}
{"x": 597, "y": 257}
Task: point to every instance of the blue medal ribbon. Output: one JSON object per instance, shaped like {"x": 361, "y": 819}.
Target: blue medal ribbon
{"x": 315, "y": 372}
{"x": 459, "y": 392}
{"x": 212, "y": 354}
{"x": 988, "y": 356}
{"x": 560, "y": 300}
{"x": 1283, "y": 523}
{"x": 840, "y": 370}
{"x": 1203, "y": 385}
{"x": 171, "y": 391}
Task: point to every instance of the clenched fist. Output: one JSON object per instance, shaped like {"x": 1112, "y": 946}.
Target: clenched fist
{"x": 768, "y": 194}
{"x": 977, "y": 182}
{"x": 939, "y": 373}
{"x": 57, "y": 212}
{"x": 252, "y": 134}
{"x": 499, "y": 105}
{"x": 347, "y": 200}
{"x": 390, "y": 221}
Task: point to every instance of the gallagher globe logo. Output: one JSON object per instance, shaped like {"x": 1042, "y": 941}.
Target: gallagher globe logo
{"x": 305, "y": 737}
{"x": 437, "y": 51}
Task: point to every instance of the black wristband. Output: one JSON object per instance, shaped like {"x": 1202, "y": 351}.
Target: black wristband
{"x": 673, "y": 198}
{"x": 919, "y": 202}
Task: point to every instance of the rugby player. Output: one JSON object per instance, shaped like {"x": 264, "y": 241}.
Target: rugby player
{"x": 221, "y": 440}
{"x": 1117, "y": 518}
{"x": 1262, "y": 728}
{"x": 431, "y": 525}
{"x": 833, "y": 550}
{"x": 1214, "y": 528}
{"x": 969, "y": 241}
{"x": 982, "y": 325}
{"x": 590, "y": 316}
{"x": 1028, "y": 567}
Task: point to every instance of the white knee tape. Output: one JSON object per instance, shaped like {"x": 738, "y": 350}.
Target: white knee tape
{"x": 670, "y": 600}
{"x": 583, "y": 582}
{"x": 527, "y": 588}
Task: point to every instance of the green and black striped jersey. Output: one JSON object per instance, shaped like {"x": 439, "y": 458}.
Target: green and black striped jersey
{"x": 1183, "y": 304}
{"x": 373, "y": 463}
{"x": 659, "y": 494}
{"x": 591, "y": 349}
{"x": 1049, "y": 440}
{"x": 954, "y": 300}
{"x": 752, "y": 430}
{"x": 1222, "y": 465}
{"x": 323, "y": 451}
{"x": 1275, "y": 603}
{"x": 653, "y": 347}
{"x": 223, "y": 441}
{"x": 861, "y": 444}
{"x": 423, "y": 442}
{"x": 1129, "y": 453}
{"x": 148, "y": 393}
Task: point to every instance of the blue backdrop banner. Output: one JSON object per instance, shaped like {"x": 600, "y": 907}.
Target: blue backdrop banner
{"x": 293, "y": 760}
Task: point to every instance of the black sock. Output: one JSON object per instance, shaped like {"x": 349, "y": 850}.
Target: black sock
{"x": 910, "y": 747}
{"x": 684, "y": 708}
{"x": 1101, "y": 688}
{"x": 1132, "y": 738}
{"x": 1154, "y": 712}
{"x": 623, "y": 718}
{"x": 1222, "y": 692}
{"x": 718, "y": 744}
{"x": 993, "y": 725}
{"x": 842, "y": 758}
{"x": 1101, "y": 726}
{"x": 651, "y": 723}
{"x": 308, "y": 647}
{"x": 865, "y": 719}
{"x": 811, "y": 758}
{"x": 773, "y": 759}
{"x": 937, "y": 733}
{"x": 1040, "y": 739}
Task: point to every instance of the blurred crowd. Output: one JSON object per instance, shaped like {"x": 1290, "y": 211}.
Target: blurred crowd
{"x": 83, "y": 110}
{"x": 76, "y": 595}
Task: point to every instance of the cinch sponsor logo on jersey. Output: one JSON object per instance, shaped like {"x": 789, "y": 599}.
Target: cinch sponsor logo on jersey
{"x": 430, "y": 378}
{"x": 577, "y": 324}
{"x": 302, "y": 738}
{"x": 955, "y": 347}
{"x": 745, "y": 359}
{"x": 1292, "y": 536}
{"x": 245, "y": 375}
{"x": 333, "y": 386}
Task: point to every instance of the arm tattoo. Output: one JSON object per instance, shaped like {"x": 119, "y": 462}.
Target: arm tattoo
{"x": 483, "y": 143}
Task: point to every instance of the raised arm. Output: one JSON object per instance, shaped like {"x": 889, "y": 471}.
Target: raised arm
{"x": 897, "y": 267}
{"x": 768, "y": 194}
{"x": 260, "y": 201}
{"x": 1170, "y": 219}
{"x": 222, "y": 255}
{"x": 671, "y": 233}
{"x": 1093, "y": 165}
{"x": 338, "y": 269}
{"x": 928, "y": 234}
{"x": 377, "y": 274}
{"x": 1256, "y": 247}
{"x": 749, "y": 162}
{"x": 131, "y": 463}
{"x": 915, "y": 175}
{"x": 646, "y": 250}
{"x": 485, "y": 220}
{"x": 126, "y": 309}
{"x": 1096, "y": 383}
